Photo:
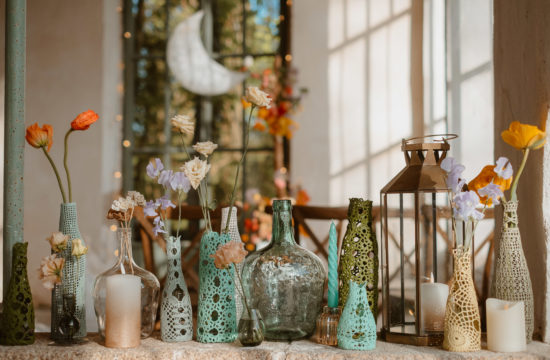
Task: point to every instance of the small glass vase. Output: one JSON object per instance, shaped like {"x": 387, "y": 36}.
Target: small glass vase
{"x": 284, "y": 281}
{"x": 462, "y": 321}
{"x": 68, "y": 325}
{"x": 251, "y": 328}
{"x": 126, "y": 266}
{"x": 326, "y": 331}
{"x": 176, "y": 314}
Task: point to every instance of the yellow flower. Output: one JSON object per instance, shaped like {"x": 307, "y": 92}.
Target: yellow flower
{"x": 484, "y": 178}
{"x": 78, "y": 248}
{"x": 524, "y": 136}
{"x": 58, "y": 241}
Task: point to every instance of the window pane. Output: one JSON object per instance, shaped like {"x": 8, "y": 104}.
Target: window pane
{"x": 259, "y": 172}
{"x": 262, "y": 26}
{"x": 150, "y": 20}
{"x": 222, "y": 176}
{"x": 228, "y": 33}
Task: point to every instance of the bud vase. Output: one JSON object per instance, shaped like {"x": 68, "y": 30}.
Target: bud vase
{"x": 251, "y": 328}
{"x": 512, "y": 281}
{"x": 359, "y": 254}
{"x": 284, "y": 281}
{"x": 18, "y": 311}
{"x": 217, "y": 320}
{"x": 462, "y": 321}
{"x": 233, "y": 232}
{"x": 74, "y": 278}
{"x": 357, "y": 328}
{"x": 139, "y": 291}
{"x": 176, "y": 314}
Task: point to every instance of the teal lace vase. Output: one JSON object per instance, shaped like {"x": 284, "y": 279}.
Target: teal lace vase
{"x": 357, "y": 328}
{"x": 216, "y": 320}
{"x": 18, "y": 312}
{"x": 176, "y": 314}
{"x": 74, "y": 279}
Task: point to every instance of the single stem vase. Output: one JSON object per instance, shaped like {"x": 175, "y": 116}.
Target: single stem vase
{"x": 357, "y": 328}
{"x": 512, "y": 281}
{"x": 176, "y": 314}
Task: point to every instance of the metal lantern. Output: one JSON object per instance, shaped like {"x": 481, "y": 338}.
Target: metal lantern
{"x": 415, "y": 217}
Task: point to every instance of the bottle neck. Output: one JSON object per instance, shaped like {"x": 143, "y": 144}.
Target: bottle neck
{"x": 173, "y": 252}
{"x": 283, "y": 232}
{"x": 125, "y": 246}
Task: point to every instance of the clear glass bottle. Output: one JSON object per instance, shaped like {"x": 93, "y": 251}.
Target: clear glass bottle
{"x": 284, "y": 281}
{"x": 150, "y": 286}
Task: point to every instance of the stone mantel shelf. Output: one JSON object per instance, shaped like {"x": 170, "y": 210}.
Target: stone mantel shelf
{"x": 153, "y": 348}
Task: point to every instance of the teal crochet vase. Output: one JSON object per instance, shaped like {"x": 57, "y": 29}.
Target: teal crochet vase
{"x": 357, "y": 328}
{"x": 216, "y": 321}
{"x": 176, "y": 314}
{"x": 18, "y": 312}
{"x": 74, "y": 280}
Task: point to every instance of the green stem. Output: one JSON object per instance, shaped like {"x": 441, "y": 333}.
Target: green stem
{"x": 65, "y": 154}
{"x": 232, "y": 200}
{"x": 242, "y": 290}
{"x": 56, "y": 175}
{"x": 179, "y": 214}
{"x": 513, "y": 194}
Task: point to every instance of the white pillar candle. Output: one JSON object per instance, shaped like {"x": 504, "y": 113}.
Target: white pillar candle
{"x": 433, "y": 300}
{"x": 505, "y": 325}
{"x": 123, "y": 311}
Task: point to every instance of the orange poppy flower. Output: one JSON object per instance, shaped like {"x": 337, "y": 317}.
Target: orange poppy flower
{"x": 524, "y": 136}
{"x": 484, "y": 178}
{"x": 84, "y": 120}
{"x": 40, "y": 137}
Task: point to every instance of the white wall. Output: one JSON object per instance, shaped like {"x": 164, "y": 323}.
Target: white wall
{"x": 73, "y": 64}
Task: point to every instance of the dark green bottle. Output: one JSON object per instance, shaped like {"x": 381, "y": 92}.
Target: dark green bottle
{"x": 359, "y": 254}
{"x": 18, "y": 314}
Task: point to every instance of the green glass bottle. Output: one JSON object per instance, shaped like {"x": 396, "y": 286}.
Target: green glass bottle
{"x": 359, "y": 254}
{"x": 18, "y": 315}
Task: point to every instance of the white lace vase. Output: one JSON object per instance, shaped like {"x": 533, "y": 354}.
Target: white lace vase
{"x": 512, "y": 281}
{"x": 176, "y": 317}
{"x": 235, "y": 236}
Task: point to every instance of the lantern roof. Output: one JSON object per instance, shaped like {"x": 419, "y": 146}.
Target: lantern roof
{"x": 422, "y": 172}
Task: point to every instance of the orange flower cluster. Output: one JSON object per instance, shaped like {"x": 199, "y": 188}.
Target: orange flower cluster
{"x": 278, "y": 123}
{"x": 484, "y": 178}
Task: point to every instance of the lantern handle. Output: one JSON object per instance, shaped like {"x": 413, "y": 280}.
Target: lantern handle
{"x": 445, "y": 138}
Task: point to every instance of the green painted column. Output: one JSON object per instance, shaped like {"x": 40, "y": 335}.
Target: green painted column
{"x": 14, "y": 129}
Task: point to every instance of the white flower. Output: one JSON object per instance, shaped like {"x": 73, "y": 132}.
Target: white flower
{"x": 205, "y": 148}
{"x": 454, "y": 171}
{"x": 50, "y": 270}
{"x": 465, "y": 206}
{"x": 78, "y": 248}
{"x": 492, "y": 192}
{"x": 58, "y": 241}
{"x": 195, "y": 170}
{"x": 257, "y": 97}
{"x": 504, "y": 168}
{"x": 184, "y": 124}
{"x": 136, "y": 198}
{"x": 120, "y": 205}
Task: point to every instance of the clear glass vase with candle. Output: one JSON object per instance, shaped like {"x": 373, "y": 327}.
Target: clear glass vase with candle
{"x": 148, "y": 295}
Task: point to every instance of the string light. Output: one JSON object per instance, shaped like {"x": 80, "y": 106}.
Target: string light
{"x": 127, "y": 35}
{"x": 118, "y": 117}
{"x": 117, "y": 174}
{"x": 283, "y": 170}
{"x": 126, "y": 143}
{"x": 288, "y": 57}
{"x": 113, "y": 228}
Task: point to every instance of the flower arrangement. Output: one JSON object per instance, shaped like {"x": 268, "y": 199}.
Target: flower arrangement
{"x": 42, "y": 138}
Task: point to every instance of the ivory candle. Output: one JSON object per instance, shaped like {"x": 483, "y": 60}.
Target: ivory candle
{"x": 123, "y": 311}
{"x": 505, "y": 325}
{"x": 433, "y": 300}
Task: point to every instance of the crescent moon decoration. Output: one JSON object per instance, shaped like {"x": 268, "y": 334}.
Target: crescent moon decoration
{"x": 191, "y": 64}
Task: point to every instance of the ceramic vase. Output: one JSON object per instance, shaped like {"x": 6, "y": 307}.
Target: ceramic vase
{"x": 512, "y": 281}
{"x": 74, "y": 278}
{"x": 462, "y": 322}
{"x": 359, "y": 254}
{"x": 18, "y": 310}
{"x": 176, "y": 314}
{"x": 357, "y": 328}
{"x": 233, "y": 232}
{"x": 216, "y": 320}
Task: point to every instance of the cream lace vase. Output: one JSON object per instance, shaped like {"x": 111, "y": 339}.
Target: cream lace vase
{"x": 462, "y": 321}
{"x": 512, "y": 281}
{"x": 235, "y": 236}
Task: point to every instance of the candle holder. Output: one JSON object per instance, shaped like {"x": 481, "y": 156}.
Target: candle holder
{"x": 327, "y": 326}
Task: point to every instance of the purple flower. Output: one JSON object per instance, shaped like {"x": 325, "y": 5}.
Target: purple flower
{"x": 150, "y": 208}
{"x": 492, "y": 191}
{"x": 180, "y": 182}
{"x": 165, "y": 202}
{"x": 454, "y": 171}
{"x": 164, "y": 178}
{"x": 504, "y": 168}
{"x": 465, "y": 206}
{"x": 154, "y": 169}
{"x": 159, "y": 226}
